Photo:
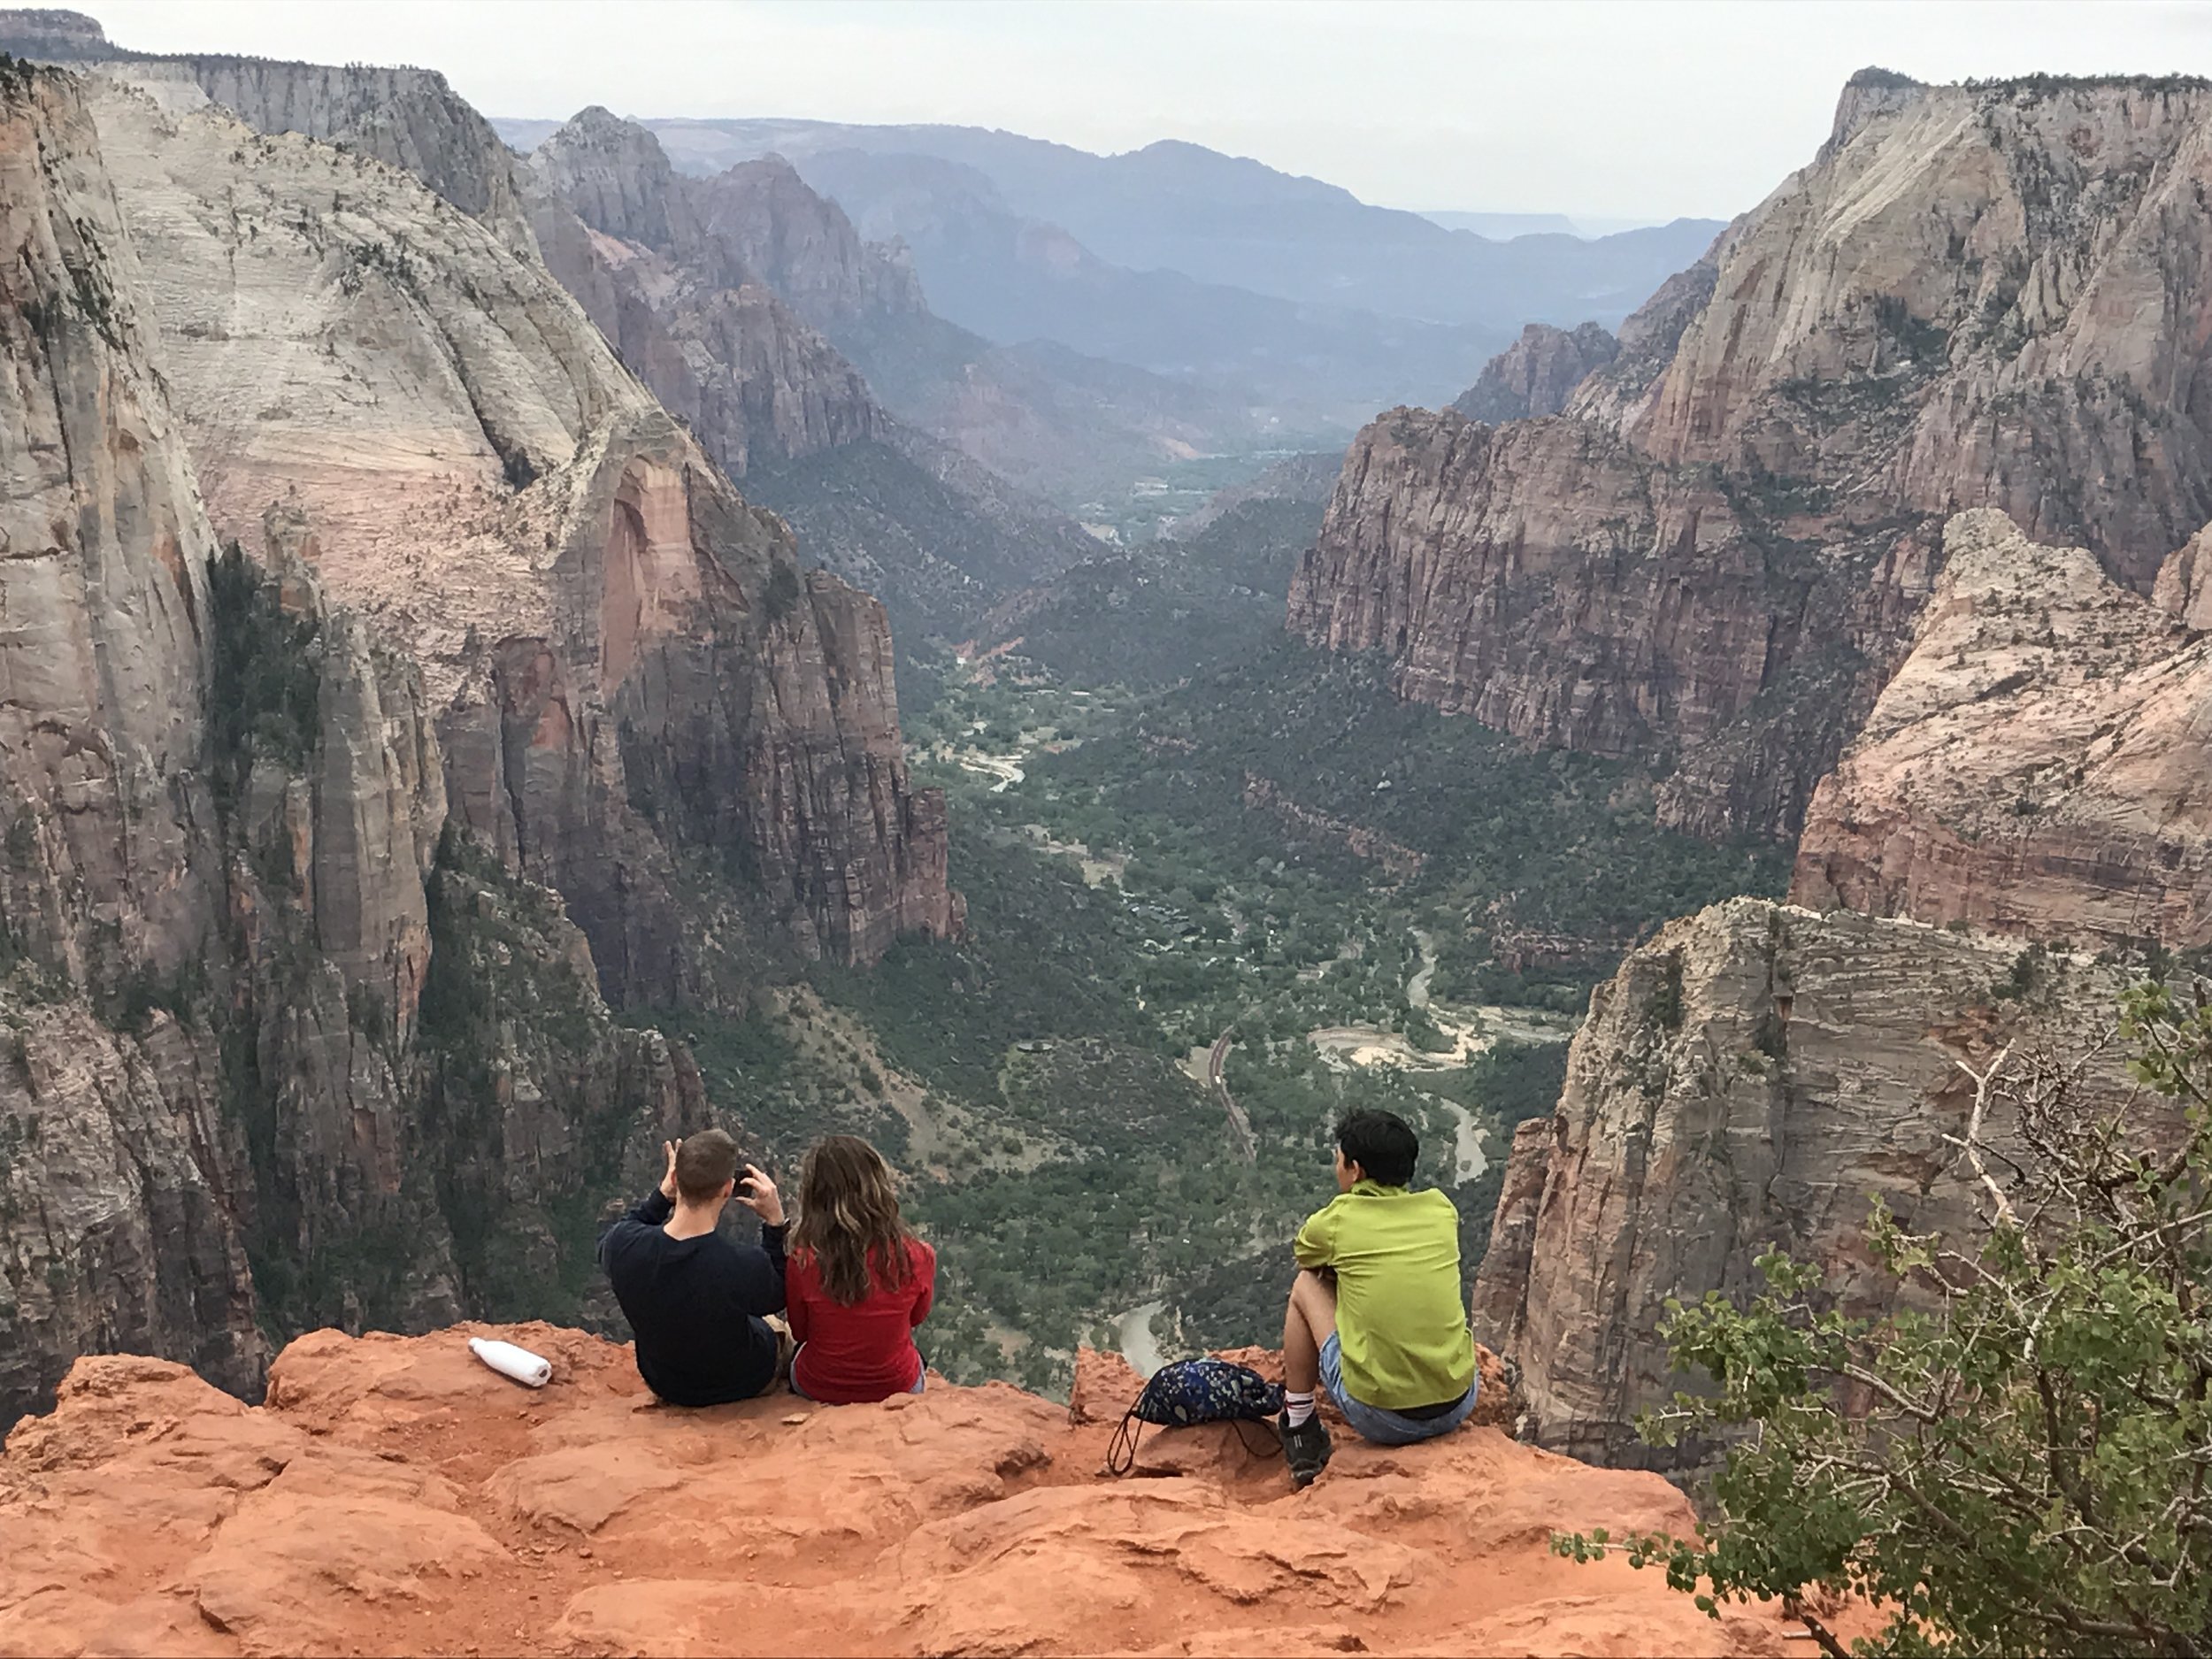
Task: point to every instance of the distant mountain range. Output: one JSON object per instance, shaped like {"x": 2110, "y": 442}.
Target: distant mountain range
{"x": 1313, "y": 305}
{"x": 1506, "y": 226}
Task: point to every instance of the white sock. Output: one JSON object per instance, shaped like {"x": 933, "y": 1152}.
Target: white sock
{"x": 1297, "y": 1409}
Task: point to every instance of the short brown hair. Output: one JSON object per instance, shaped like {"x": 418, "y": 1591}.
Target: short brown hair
{"x": 703, "y": 1162}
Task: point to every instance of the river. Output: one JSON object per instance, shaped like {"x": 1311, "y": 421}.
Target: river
{"x": 1468, "y": 1159}
{"x": 1470, "y": 1031}
{"x": 1134, "y": 1333}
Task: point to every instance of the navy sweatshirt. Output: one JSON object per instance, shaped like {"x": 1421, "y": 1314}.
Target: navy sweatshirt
{"x": 694, "y": 1305}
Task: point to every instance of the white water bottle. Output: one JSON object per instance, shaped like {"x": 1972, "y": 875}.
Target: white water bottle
{"x": 510, "y": 1361}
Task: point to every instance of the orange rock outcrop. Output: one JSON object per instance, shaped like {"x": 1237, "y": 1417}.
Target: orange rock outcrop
{"x": 394, "y": 1496}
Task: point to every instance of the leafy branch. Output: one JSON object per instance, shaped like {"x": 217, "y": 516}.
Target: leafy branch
{"x": 2019, "y": 1459}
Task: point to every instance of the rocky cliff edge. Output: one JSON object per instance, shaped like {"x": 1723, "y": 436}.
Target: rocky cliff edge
{"x": 1751, "y": 1079}
{"x": 395, "y": 1497}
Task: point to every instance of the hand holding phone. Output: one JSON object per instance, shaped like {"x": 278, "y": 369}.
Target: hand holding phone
{"x": 758, "y": 1194}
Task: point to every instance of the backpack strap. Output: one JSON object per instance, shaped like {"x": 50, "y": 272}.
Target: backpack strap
{"x": 1121, "y": 1451}
{"x": 1272, "y": 1442}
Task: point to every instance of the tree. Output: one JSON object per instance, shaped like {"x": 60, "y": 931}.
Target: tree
{"x": 2022, "y": 1463}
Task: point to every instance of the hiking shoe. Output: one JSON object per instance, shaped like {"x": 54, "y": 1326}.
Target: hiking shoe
{"x": 1306, "y": 1448}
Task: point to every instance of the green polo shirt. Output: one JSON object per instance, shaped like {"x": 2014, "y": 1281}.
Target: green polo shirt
{"x": 1401, "y": 1322}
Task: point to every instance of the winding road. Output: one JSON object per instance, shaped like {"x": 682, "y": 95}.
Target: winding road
{"x": 1217, "y": 1057}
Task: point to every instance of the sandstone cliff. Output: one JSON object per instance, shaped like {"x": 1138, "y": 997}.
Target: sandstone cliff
{"x": 396, "y": 1496}
{"x": 712, "y": 291}
{"x": 413, "y": 1037}
{"x": 1974, "y": 295}
{"x": 112, "y": 1229}
{"x": 102, "y": 550}
{"x": 756, "y": 222}
{"x": 754, "y": 382}
{"x": 1751, "y": 1078}
{"x": 2035, "y": 767}
{"x": 409, "y": 118}
{"x": 624, "y": 662}
{"x": 289, "y": 1048}
{"x": 1538, "y": 373}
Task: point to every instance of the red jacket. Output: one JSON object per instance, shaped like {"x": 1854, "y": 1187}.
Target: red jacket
{"x": 848, "y": 1355}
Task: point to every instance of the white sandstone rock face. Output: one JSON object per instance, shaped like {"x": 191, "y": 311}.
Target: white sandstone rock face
{"x": 594, "y": 613}
{"x": 117, "y": 1173}
{"x": 2036, "y": 766}
{"x": 1753, "y": 1076}
{"x": 344, "y": 342}
{"x": 103, "y": 574}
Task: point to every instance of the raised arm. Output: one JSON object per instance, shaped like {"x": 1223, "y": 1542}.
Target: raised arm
{"x": 652, "y": 1211}
{"x": 760, "y": 1281}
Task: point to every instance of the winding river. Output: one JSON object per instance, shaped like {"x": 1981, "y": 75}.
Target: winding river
{"x": 1133, "y": 1333}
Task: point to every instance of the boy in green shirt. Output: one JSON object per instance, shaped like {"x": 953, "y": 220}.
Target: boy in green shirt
{"x": 1377, "y": 1317}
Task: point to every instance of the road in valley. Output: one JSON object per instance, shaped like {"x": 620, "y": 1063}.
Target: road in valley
{"x": 1217, "y": 1057}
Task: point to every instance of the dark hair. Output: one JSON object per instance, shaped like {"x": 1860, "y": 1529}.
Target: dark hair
{"x": 703, "y": 1162}
{"x": 849, "y": 1219}
{"x": 1380, "y": 1144}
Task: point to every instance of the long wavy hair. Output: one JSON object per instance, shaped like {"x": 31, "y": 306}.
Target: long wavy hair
{"x": 849, "y": 1219}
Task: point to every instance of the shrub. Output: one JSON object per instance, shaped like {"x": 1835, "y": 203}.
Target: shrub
{"x": 2028, "y": 1470}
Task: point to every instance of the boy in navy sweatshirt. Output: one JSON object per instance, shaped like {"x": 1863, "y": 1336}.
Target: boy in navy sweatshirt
{"x": 693, "y": 1300}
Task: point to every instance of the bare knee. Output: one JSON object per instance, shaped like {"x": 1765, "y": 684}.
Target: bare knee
{"x": 1313, "y": 1301}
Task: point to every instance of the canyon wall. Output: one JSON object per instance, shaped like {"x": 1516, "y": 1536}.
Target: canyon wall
{"x": 221, "y": 888}
{"x": 115, "y": 1166}
{"x": 409, "y": 118}
{"x": 1714, "y": 555}
{"x": 721, "y": 294}
{"x": 1752, "y": 1078}
{"x": 304, "y": 1032}
{"x": 2036, "y": 766}
{"x": 626, "y": 666}
{"x": 1537, "y": 373}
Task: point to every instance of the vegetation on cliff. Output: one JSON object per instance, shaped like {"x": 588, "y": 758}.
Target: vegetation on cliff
{"x": 2022, "y": 1467}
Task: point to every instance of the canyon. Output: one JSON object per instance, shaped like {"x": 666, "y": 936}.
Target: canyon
{"x": 451, "y": 742}
{"x": 1714, "y": 554}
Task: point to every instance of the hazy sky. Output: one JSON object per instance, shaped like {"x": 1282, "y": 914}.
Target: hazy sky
{"x": 1644, "y": 110}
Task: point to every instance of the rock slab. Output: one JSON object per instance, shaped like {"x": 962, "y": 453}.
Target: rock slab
{"x": 395, "y": 1497}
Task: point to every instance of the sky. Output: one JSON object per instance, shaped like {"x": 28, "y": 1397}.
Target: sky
{"x": 1596, "y": 109}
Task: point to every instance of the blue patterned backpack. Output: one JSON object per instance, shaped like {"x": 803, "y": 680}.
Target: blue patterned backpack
{"x": 1194, "y": 1391}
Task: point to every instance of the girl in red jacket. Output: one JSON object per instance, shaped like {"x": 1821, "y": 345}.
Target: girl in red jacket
{"x": 857, "y": 1282}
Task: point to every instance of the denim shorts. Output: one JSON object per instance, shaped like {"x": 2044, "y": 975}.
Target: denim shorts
{"x": 920, "y": 1382}
{"x": 1388, "y": 1428}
